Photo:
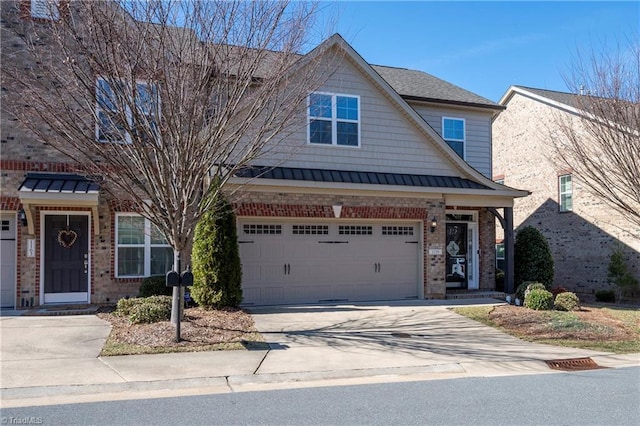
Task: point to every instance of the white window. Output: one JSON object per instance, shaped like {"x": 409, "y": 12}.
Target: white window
{"x": 260, "y": 229}
{"x": 45, "y": 9}
{"x": 334, "y": 119}
{"x": 453, "y": 134}
{"x": 565, "y": 190}
{"x": 115, "y": 114}
{"x": 141, "y": 250}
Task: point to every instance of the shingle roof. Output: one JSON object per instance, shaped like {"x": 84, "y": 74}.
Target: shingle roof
{"x": 344, "y": 176}
{"x": 562, "y": 97}
{"x": 53, "y": 182}
{"x": 420, "y": 85}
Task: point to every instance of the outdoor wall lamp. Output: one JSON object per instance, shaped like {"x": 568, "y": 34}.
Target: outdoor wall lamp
{"x": 434, "y": 224}
{"x": 337, "y": 210}
{"x": 22, "y": 217}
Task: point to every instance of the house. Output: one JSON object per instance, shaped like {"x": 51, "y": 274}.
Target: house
{"x": 388, "y": 195}
{"x": 581, "y": 229}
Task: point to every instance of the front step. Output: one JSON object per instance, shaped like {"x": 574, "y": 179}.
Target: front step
{"x": 475, "y": 294}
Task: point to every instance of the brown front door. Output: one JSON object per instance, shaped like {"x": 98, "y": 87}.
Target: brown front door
{"x": 66, "y": 258}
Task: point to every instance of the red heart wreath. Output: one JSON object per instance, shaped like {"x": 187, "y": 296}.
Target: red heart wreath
{"x": 67, "y": 237}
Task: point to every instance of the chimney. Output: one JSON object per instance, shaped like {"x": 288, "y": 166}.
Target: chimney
{"x": 582, "y": 89}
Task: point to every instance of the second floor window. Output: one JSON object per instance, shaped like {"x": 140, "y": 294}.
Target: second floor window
{"x": 334, "y": 119}
{"x": 45, "y": 9}
{"x": 120, "y": 109}
{"x": 565, "y": 190}
{"x": 453, "y": 134}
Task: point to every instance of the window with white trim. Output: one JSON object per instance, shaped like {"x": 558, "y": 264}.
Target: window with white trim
{"x": 565, "y": 191}
{"x": 453, "y": 134}
{"x": 262, "y": 229}
{"x": 45, "y": 9}
{"x": 397, "y": 230}
{"x": 355, "y": 230}
{"x": 334, "y": 119}
{"x": 114, "y": 111}
{"x": 141, "y": 250}
{"x": 310, "y": 230}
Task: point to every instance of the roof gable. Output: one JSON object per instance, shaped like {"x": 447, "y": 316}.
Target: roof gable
{"x": 465, "y": 170}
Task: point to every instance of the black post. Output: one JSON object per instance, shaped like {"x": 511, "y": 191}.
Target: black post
{"x": 179, "y": 303}
{"x": 508, "y": 250}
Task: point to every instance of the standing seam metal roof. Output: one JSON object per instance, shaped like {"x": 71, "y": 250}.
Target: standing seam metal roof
{"x": 344, "y": 176}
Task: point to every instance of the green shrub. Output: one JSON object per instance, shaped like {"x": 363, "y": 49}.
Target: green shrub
{"x": 217, "y": 272}
{"x": 155, "y": 286}
{"x": 125, "y": 306}
{"x": 620, "y": 275}
{"x": 145, "y": 309}
{"x": 533, "y": 286}
{"x": 566, "y": 301}
{"x": 532, "y": 258}
{"x": 607, "y": 296}
{"x": 540, "y": 300}
{"x": 521, "y": 291}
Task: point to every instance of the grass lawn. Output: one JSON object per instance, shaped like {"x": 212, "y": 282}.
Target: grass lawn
{"x": 610, "y": 328}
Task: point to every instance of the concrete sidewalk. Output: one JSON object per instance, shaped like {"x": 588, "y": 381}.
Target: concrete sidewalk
{"x": 49, "y": 360}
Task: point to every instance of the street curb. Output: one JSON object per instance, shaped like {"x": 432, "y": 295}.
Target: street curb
{"x": 69, "y": 394}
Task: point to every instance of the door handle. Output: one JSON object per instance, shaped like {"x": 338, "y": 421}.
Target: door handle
{"x": 288, "y": 269}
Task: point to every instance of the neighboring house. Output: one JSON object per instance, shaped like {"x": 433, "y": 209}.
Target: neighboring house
{"x": 581, "y": 229}
{"x": 388, "y": 195}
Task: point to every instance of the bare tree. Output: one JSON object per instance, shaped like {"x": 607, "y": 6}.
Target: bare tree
{"x": 163, "y": 101}
{"x": 600, "y": 143}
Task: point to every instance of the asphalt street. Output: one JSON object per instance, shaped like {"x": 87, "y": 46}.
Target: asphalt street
{"x": 596, "y": 397}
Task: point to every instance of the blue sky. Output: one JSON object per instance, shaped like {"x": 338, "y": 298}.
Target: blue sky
{"x": 483, "y": 46}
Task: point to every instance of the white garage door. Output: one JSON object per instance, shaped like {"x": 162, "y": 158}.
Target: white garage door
{"x": 298, "y": 262}
{"x": 7, "y": 260}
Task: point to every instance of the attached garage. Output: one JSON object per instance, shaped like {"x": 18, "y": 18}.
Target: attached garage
{"x": 307, "y": 262}
{"x": 8, "y": 260}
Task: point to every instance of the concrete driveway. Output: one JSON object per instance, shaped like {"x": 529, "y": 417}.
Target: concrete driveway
{"x": 389, "y": 335}
{"x": 49, "y": 359}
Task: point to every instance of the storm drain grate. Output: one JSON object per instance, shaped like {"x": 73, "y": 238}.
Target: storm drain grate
{"x": 401, "y": 335}
{"x": 573, "y": 364}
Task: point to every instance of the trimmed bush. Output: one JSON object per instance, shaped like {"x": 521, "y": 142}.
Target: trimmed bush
{"x": 607, "y": 296}
{"x": 522, "y": 290}
{"x": 217, "y": 272}
{"x": 620, "y": 275}
{"x": 566, "y": 301}
{"x": 155, "y": 286}
{"x": 533, "y": 286}
{"x": 532, "y": 258}
{"x": 145, "y": 309}
{"x": 540, "y": 300}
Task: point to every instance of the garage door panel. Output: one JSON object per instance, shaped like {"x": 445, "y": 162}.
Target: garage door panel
{"x": 330, "y": 262}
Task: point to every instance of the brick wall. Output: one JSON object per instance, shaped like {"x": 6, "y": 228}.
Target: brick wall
{"x": 255, "y": 204}
{"x": 581, "y": 241}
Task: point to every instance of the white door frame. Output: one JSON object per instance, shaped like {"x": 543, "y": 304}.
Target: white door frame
{"x": 14, "y": 217}
{"x": 472, "y": 227}
{"x": 53, "y": 298}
